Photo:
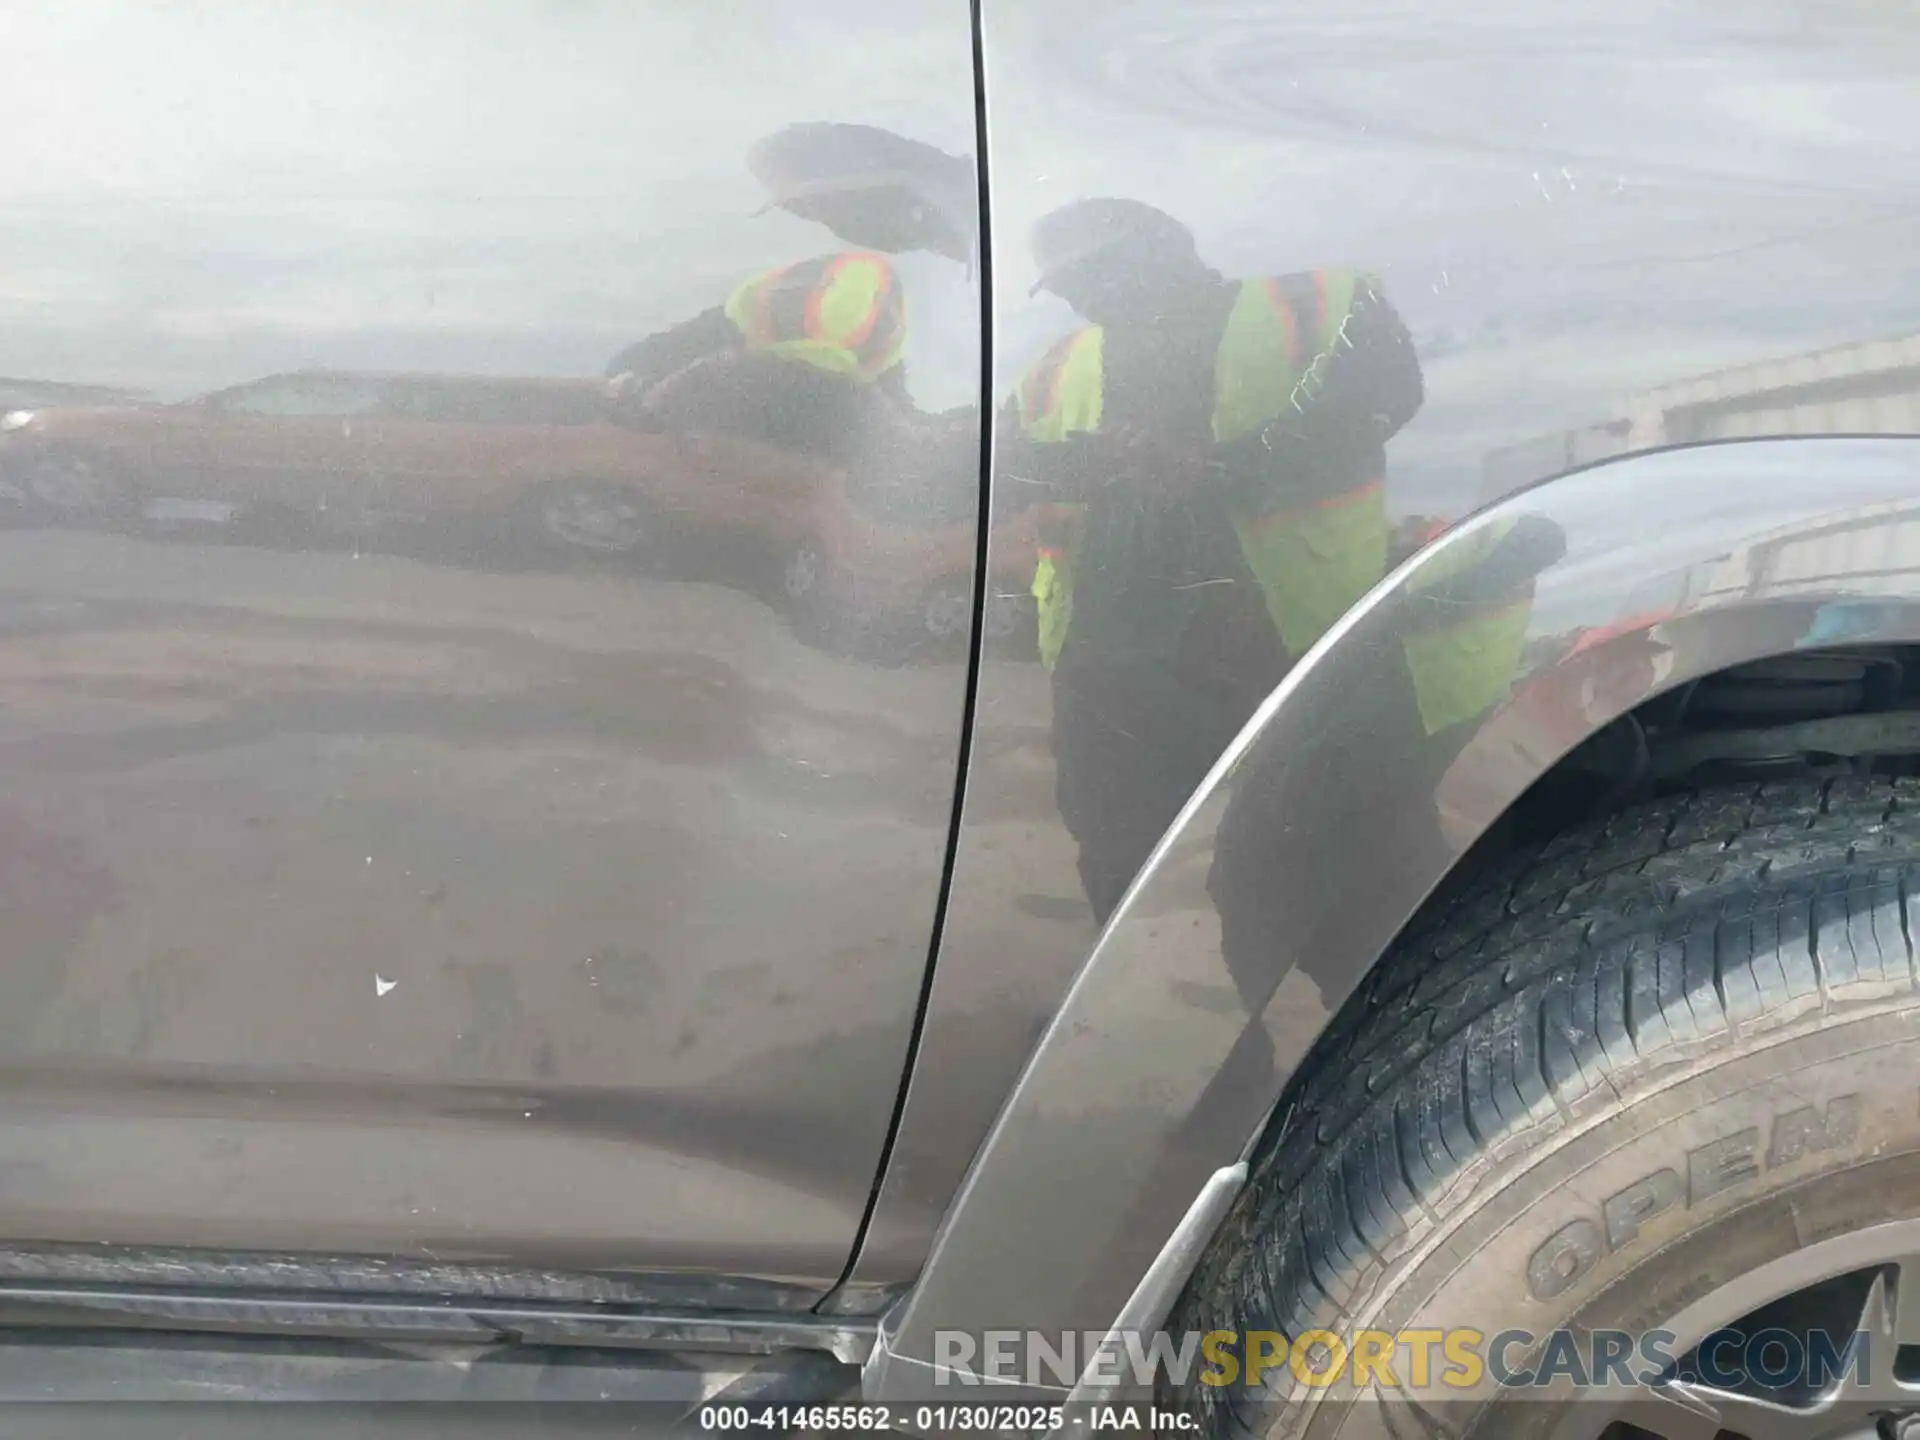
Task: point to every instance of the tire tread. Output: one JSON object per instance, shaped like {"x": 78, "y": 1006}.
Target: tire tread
{"x": 1610, "y": 951}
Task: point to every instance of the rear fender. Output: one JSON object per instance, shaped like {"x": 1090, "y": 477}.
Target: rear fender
{"x": 1124, "y": 1139}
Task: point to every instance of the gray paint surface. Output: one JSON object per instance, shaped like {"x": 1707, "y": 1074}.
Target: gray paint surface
{"x": 396, "y": 862}
{"x": 382, "y": 869}
{"x": 1609, "y": 229}
{"x": 1169, "y": 1050}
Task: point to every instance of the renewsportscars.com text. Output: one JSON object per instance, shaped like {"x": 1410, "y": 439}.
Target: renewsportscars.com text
{"x": 1419, "y": 1360}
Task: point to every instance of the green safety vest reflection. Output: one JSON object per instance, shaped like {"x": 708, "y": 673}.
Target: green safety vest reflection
{"x": 1462, "y": 669}
{"x": 1311, "y": 561}
{"x": 845, "y": 314}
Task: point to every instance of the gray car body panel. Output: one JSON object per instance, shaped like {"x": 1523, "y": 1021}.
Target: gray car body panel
{"x": 402, "y": 855}
{"x": 1132, "y": 1103}
{"x": 1610, "y": 231}
{"x": 397, "y": 896}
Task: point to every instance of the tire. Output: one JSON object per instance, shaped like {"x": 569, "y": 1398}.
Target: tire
{"x": 69, "y": 487}
{"x": 1012, "y": 625}
{"x": 816, "y": 608}
{"x": 802, "y": 575}
{"x": 1008, "y": 616}
{"x": 1597, "y": 1082}
{"x": 946, "y": 614}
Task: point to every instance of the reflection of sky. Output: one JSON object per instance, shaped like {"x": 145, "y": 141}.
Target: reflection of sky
{"x": 217, "y": 192}
{"x": 1570, "y": 204}
{"x": 1567, "y": 216}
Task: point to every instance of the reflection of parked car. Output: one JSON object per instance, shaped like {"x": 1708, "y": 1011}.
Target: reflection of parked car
{"x": 372, "y": 457}
{"x": 885, "y": 542}
{"x": 868, "y": 560}
{"x": 526, "y": 998}
{"x": 338, "y": 450}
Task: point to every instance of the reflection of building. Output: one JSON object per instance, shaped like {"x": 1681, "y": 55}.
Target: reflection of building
{"x": 1506, "y": 470}
{"x": 1874, "y": 549}
{"x": 1864, "y": 389}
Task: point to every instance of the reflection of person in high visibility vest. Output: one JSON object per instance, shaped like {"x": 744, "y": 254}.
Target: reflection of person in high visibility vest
{"x": 833, "y": 327}
{"x": 1463, "y": 622}
{"x": 1221, "y": 446}
{"x": 1462, "y": 655}
{"x": 843, "y": 314}
{"x": 1309, "y": 513}
{"x": 1605, "y": 671}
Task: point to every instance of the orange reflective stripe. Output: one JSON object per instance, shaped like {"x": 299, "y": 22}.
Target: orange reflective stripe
{"x": 1050, "y": 374}
{"x": 1320, "y": 303}
{"x": 816, "y": 328}
{"x": 1283, "y": 310}
{"x": 1349, "y": 497}
{"x": 1060, "y": 394}
{"x": 844, "y": 314}
{"x": 1032, "y": 384}
{"x": 1023, "y": 395}
{"x": 1354, "y": 496}
{"x": 1057, "y": 376}
{"x": 811, "y": 324}
{"x": 765, "y": 330}
{"x": 1313, "y": 561}
{"x": 881, "y": 291}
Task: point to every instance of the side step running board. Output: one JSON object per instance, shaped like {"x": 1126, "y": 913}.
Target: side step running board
{"x": 460, "y": 1321}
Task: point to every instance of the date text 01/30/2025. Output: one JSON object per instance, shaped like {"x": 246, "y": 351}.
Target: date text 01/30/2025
{"x": 1015, "y": 1419}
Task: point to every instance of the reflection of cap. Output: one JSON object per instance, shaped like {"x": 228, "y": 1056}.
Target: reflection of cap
{"x": 1082, "y": 229}
{"x": 819, "y": 159}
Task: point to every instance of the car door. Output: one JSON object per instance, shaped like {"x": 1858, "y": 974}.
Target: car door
{"x": 1592, "y": 253}
{"x": 296, "y": 443}
{"x": 513, "y": 913}
{"x": 439, "y": 447}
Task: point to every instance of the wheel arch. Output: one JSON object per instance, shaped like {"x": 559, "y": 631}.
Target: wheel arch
{"x": 1112, "y": 1160}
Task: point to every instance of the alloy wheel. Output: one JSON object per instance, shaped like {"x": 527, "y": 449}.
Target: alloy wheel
{"x": 72, "y": 485}
{"x": 802, "y": 572}
{"x": 595, "y": 519}
{"x": 1860, "y": 1291}
{"x": 947, "y": 612}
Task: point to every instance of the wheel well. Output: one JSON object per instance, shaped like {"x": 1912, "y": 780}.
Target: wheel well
{"x": 1852, "y": 710}
{"x": 1808, "y": 714}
